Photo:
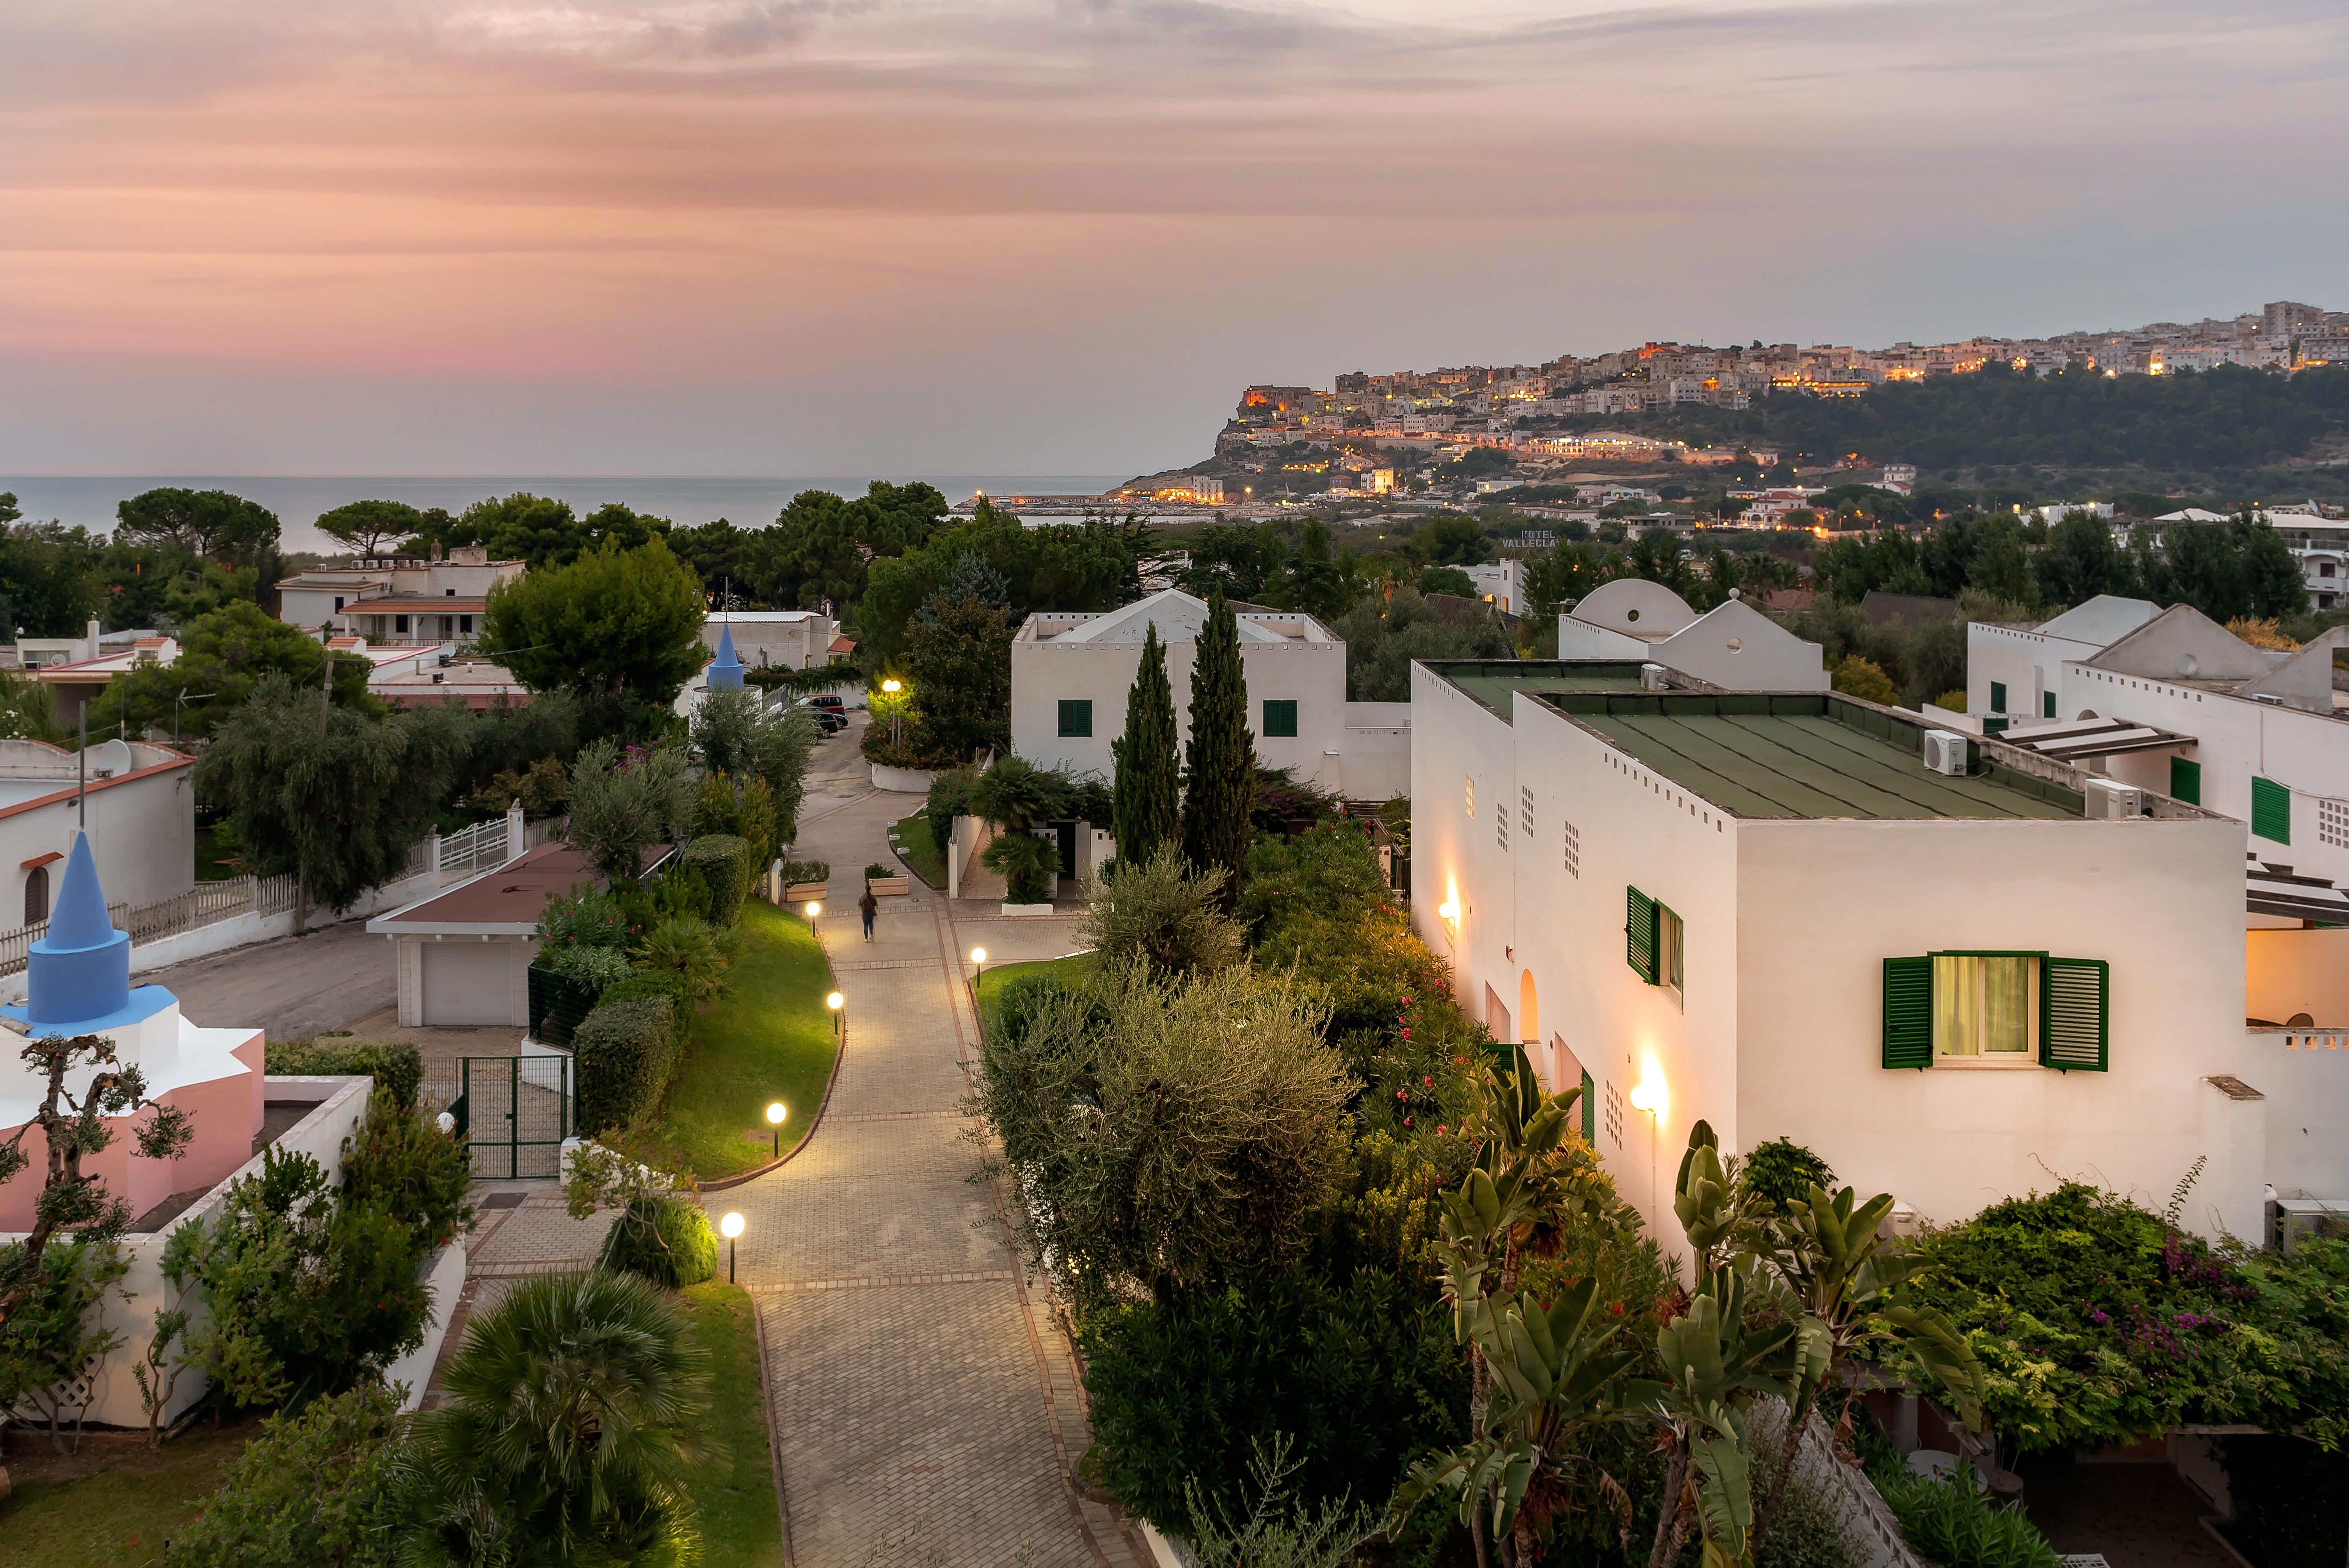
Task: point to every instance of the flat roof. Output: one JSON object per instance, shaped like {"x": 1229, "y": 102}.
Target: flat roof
{"x": 1806, "y": 755}
{"x": 512, "y": 896}
{"x": 1490, "y": 681}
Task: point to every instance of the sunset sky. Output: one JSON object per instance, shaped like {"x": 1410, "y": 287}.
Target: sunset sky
{"x": 629, "y": 236}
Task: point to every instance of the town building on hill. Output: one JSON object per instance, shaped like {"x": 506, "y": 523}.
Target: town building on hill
{"x": 397, "y": 598}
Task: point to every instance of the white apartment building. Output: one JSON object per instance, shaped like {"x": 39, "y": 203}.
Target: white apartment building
{"x": 1071, "y": 674}
{"x": 2254, "y": 734}
{"x": 1732, "y": 645}
{"x": 1503, "y": 582}
{"x": 397, "y": 598}
{"x": 1772, "y": 911}
{"x": 136, "y": 801}
{"x": 793, "y": 639}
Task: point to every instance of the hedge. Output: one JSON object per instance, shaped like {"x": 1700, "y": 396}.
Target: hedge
{"x": 559, "y": 1004}
{"x": 623, "y": 1055}
{"x": 395, "y": 1065}
{"x": 662, "y": 984}
{"x": 722, "y": 864}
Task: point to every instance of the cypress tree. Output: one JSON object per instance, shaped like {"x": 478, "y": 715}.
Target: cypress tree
{"x": 1222, "y": 758}
{"x": 1143, "y": 812}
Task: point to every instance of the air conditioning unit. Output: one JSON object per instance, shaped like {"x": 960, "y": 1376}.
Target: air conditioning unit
{"x": 2292, "y": 1220}
{"x": 1945, "y": 752}
{"x": 2107, "y": 798}
{"x": 1654, "y": 678}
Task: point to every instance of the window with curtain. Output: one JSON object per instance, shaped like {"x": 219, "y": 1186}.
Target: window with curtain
{"x": 1985, "y": 1003}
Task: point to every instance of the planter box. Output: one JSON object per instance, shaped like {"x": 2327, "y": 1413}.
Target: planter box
{"x": 1026, "y": 909}
{"x": 884, "y": 886}
{"x": 800, "y": 892}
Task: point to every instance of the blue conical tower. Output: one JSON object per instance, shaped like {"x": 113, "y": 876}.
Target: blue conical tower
{"x": 726, "y": 670}
{"x": 81, "y": 969}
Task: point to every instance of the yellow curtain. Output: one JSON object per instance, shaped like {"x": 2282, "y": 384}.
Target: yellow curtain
{"x": 2006, "y": 1003}
{"x": 1957, "y": 1006}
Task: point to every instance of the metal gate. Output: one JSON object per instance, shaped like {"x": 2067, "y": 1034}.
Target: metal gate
{"x": 515, "y": 1112}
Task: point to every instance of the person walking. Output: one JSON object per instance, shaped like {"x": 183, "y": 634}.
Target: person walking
{"x": 868, "y": 906}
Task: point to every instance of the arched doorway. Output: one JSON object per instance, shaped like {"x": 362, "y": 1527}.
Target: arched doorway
{"x": 1528, "y": 1009}
{"x": 37, "y": 895}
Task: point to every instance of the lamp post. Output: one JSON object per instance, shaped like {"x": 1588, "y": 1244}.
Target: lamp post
{"x": 731, "y": 1227}
{"x": 812, "y": 908}
{"x": 834, "y": 1001}
{"x": 775, "y": 1114}
{"x": 978, "y": 964}
{"x": 892, "y": 686}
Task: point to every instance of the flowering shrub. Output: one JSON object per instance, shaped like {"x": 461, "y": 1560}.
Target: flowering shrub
{"x": 2098, "y": 1322}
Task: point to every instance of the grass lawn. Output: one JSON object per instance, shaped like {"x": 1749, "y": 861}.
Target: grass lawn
{"x": 918, "y": 849}
{"x": 999, "y": 975}
{"x": 735, "y": 1494}
{"x": 111, "y": 1505}
{"x": 766, "y": 1037}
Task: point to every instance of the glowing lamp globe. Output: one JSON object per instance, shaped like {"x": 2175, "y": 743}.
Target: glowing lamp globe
{"x": 834, "y": 1001}
{"x": 775, "y": 1114}
{"x": 730, "y": 1226}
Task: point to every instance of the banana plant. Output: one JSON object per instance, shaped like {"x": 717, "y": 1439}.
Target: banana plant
{"x": 1553, "y": 1378}
{"x": 1852, "y": 1291}
{"x": 1715, "y": 1367}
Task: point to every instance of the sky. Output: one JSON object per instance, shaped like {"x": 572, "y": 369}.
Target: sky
{"x": 836, "y": 236}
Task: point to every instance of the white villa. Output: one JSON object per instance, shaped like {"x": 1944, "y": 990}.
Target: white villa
{"x": 1933, "y": 958}
{"x": 397, "y": 598}
{"x": 1732, "y": 645}
{"x": 1071, "y": 674}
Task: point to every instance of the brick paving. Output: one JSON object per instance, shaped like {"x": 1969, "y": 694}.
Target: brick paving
{"x": 926, "y": 1399}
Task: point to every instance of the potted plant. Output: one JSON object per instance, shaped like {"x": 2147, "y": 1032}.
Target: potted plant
{"x": 1029, "y": 866}
{"x": 882, "y": 881}
{"x": 806, "y": 880}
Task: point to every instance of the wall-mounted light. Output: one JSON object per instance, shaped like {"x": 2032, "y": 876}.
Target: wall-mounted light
{"x": 1649, "y": 1095}
{"x": 1449, "y": 909}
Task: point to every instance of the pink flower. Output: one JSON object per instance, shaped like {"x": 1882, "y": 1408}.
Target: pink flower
{"x": 1402, "y": 1094}
{"x": 1428, "y": 1081}
{"x": 1441, "y": 1129}
{"x": 1406, "y": 1034}
{"x": 1406, "y": 1121}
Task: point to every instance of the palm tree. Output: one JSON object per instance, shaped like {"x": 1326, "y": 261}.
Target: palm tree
{"x": 574, "y": 1414}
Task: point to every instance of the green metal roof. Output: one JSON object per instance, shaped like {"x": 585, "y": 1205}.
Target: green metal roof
{"x": 1804, "y": 755}
{"x": 1490, "y": 682}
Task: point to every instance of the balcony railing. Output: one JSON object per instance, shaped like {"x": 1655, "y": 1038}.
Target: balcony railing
{"x": 2305, "y": 1036}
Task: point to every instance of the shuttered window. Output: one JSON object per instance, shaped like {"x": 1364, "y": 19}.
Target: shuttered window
{"x": 2074, "y": 1007}
{"x": 2185, "y": 781}
{"x": 1998, "y": 697}
{"x": 2271, "y": 810}
{"x": 2047, "y": 705}
{"x": 1589, "y": 1114}
{"x": 1961, "y": 1004}
{"x": 1280, "y": 718}
{"x": 1076, "y": 719}
{"x": 1640, "y": 945}
{"x": 1909, "y": 1012}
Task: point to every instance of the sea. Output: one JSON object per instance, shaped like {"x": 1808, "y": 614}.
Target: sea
{"x": 89, "y": 502}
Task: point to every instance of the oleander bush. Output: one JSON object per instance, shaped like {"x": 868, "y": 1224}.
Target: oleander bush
{"x": 584, "y": 917}
{"x": 594, "y": 967}
{"x": 624, "y": 1056}
{"x": 395, "y": 1065}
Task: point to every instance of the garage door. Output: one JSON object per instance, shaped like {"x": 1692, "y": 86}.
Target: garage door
{"x": 469, "y": 982}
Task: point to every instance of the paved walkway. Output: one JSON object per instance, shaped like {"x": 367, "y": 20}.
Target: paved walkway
{"x": 926, "y": 1399}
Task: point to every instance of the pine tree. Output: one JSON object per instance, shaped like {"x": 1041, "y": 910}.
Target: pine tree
{"x": 1222, "y": 758}
{"x": 1144, "y": 813}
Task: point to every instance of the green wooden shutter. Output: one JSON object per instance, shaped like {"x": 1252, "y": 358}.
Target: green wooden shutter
{"x": 1280, "y": 718}
{"x": 2047, "y": 705}
{"x": 2074, "y": 1004}
{"x": 1639, "y": 933}
{"x": 1907, "y": 1012}
{"x": 1589, "y": 1114}
{"x": 2185, "y": 781}
{"x": 1998, "y": 697}
{"x": 2271, "y": 810}
{"x": 1076, "y": 717}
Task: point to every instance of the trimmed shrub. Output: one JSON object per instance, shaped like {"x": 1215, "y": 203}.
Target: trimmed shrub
{"x": 402, "y": 1164}
{"x": 665, "y": 1239}
{"x": 311, "y": 1488}
{"x": 722, "y": 864}
{"x": 624, "y": 1055}
{"x": 596, "y": 966}
{"x": 395, "y": 1065}
{"x": 1362, "y": 1377}
{"x": 662, "y": 984}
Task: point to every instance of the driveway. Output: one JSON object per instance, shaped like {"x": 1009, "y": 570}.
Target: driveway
{"x": 293, "y": 987}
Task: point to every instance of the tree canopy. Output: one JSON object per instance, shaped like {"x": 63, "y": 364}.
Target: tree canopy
{"x": 212, "y": 523}
{"x": 614, "y": 623}
{"x": 225, "y": 655}
{"x": 366, "y": 526}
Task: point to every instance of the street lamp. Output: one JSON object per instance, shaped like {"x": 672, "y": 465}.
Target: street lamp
{"x": 775, "y": 1114}
{"x": 834, "y": 1002}
{"x": 892, "y": 686}
{"x": 731, "y": 1227}
{"x": 978, "y": 962}
{"x": 812, "y": 908}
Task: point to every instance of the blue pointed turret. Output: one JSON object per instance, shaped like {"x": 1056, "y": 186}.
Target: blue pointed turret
{"x": 726, "y": 670}
{"x": 81, "y": 969}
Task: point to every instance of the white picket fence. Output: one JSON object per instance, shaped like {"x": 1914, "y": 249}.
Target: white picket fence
{"x": 202, "y": 904}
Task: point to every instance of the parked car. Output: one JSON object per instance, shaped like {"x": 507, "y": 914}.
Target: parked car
{"x": 827, "y": 700}
{"x": 831, "y": 722}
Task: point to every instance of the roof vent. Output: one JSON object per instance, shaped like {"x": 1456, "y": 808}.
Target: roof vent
{"x": 1945, "y": 752}
{"x": 1654, "y": 678}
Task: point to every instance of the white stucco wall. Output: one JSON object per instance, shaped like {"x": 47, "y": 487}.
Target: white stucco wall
{"x": 1376, "y": 764}
{"x": 1044, "y": 674}
{"x": 142, "y": 836}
